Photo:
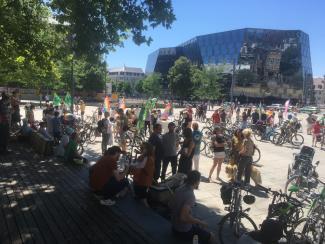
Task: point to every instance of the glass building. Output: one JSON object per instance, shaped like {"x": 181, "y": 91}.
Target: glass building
{"x": 269, "y": 63}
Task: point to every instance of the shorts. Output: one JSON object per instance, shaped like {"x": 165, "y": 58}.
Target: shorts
{"x": 204, "y": 236}
{"x": 219, "y": 155}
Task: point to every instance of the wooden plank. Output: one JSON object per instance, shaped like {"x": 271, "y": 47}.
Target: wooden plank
{"x": 4, "y": 233}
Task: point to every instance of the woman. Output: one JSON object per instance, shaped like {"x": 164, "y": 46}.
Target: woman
{"x": 236, "y": 143}
{"x": 218, "y": 145}
{"x": 316, "y": 131}
{"x": 143, "y": 172}
{"x": 187, "y": 152}
{"x": 246, "y": 156}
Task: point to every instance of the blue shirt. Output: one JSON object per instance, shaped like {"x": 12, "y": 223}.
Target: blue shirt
{"x": 56, "y": 123}
{"x": 197, "y": 137}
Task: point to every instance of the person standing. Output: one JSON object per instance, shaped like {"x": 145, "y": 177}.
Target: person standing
{"x": 316, "y": 131}
{"x": 218, "y": 145}
{"x": 255, "y": 117}
{"x": 184, "y": 225}
{"x": 15, "y": 110}
{"x": 246, "y": 156}
{"x": 197, "y": 137}
{"x": 156, "y": 141}
{"x": 310, "y": 121}
{"x": 170, "y": 143}
{"x": 244, "y": 119}
{"x": 56, "y": 126}
{"x": 280, "y": 116}
{"x": 106, "y": 132}
{"x": 216, "y": 118}
{"x": 223, "y": 116}
{"x": 4, "y": 123}
{"x": 187, "y": 152}
{"x": 82, "y": 109}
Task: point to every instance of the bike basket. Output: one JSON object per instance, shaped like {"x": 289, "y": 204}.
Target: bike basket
{"x": 226, "y": 193}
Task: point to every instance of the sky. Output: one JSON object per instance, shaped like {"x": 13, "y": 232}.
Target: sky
{"x": 199, "y": 17}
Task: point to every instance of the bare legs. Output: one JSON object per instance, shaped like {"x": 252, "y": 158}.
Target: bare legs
{"x": 217, "y": 162}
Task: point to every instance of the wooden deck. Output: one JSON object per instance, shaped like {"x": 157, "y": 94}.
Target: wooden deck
{"x": 46, "y": 201}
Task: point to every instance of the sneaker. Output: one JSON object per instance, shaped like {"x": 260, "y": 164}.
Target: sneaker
{"x": 107, "y": 202}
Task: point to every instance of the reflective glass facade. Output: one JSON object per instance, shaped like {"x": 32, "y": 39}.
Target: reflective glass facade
{"x": 277, "y": 62}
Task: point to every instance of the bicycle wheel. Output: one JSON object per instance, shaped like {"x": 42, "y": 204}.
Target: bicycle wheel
{"x": 257, "y": 155}
{"x": 307, "y": 231}
{"x": 233, "y": 225}
{"x": 80, "y": 149}
{"x": 92, "y": 136}
{"x": 297, "y": 140}
{"x": 203, "y": 146}
{"x": 297, "y": 186}
{"x": 209, "y": 151}
{"x": 278, "y": 139}
{"x": 258, "y": 136}
{"x": 206, "y": 132}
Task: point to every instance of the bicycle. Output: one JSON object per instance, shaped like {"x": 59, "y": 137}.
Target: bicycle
{"x": 237, "y": 221}
{"x": 311, "y": 229}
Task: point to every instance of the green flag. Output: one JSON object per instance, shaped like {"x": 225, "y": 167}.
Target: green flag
{"x": 56, "y": 100}
{"x": 68, "y": 100}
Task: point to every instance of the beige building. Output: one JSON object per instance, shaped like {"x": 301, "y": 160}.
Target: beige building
{"x": 319, "y": 89}
{"x": 128, "y": 74}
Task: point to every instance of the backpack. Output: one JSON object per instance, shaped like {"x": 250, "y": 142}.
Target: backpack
{"x": 100, "y": 125}
{"x": 226, "y": 193}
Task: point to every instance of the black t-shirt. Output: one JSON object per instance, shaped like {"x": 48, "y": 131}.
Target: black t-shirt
{"x": 219, "y": 139}
{"x": 156, "y": 141}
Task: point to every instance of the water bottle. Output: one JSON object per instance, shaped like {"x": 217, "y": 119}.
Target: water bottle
{"x": 195, "y": 239}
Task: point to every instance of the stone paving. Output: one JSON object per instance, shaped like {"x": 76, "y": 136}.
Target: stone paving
{"x": 275, "y": 161}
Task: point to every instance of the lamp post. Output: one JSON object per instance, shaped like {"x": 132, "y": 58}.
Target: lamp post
{"x": 71, "y": 40}
{"x": 232, "y": 83}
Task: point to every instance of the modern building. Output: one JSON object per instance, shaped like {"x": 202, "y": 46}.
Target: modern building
{"x": 128, "y": 74}
{"x": 279, "y": 61}
{"x": 319, "y": 90}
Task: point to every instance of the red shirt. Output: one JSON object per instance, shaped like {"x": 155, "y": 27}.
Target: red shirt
{"x": 215, "y": 118}
{"x": 317, "y": 128}
{"x": 102, "y": 171}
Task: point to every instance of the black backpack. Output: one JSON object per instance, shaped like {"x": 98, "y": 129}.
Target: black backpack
{"x": 100, "y": 125}
{"x": 226, "y": 193}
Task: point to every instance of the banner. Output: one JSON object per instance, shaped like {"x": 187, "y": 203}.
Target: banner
{"x": 68, "y": 100}
{"x": 150, "y": 104}
{"x": 107, "y": 104}
{"x": 56, "y": 100}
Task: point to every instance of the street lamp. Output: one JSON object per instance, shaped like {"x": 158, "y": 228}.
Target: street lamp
{"x": 71, "y": 39}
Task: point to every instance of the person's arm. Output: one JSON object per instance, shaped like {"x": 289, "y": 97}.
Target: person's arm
{"x": 186, "y": 216}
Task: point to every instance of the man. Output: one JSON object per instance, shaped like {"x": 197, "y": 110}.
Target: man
{"x": 156, "y": 141}
{"x": 56, "y": 126}
{"x": 215, "y": 118}
{"x": 244, "y": 119}
{"x": 310, "y": 121}
{"x": 184, "y": 225}
{"x": 105, "y": 178}
{"x": 255, "y": 116}
{"x": 197, "y": 137}
{"x": 106, "y": 132}
{"x": 4, "y": 123}
{"x": 170, "y": 143}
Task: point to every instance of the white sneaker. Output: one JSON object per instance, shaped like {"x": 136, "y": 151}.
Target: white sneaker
{"x": 107, "y": 202}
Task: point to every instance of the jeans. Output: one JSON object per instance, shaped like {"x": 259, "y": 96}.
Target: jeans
{"x": 244, "y": 166}
{"x": 166, "y": 160}
{"x": 113, "y": 187}
{"x": 105, "y": 139}
{"x": 157, "y": 169}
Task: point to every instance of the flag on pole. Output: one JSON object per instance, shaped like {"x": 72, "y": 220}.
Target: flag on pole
{"x": 56, "y": 100}
{"x": 150, "y": 104}
{"x": 286, "y": 107}
{"x": 122, "y": 104}
{"x": 68, "y": 100}
{"x": 107, "y": 104}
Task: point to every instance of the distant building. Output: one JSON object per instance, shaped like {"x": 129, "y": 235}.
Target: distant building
{"x": 319, "y": 90}
{"x": 279, "y": 59}
{"x": 128, "y": 74}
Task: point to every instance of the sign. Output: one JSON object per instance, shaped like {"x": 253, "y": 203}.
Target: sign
{"x": 108, "y": 88}
{"x": 115, "y": 97}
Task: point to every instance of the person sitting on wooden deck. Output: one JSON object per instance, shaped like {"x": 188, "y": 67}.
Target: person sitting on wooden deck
{"x": 184, "y": 225}
{"x": 105, "y": 178}
{"x": 71, "y": 154}
{"x": 143, "y": 172}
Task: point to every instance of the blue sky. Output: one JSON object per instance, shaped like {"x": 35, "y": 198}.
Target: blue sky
{"x": 197, "y": 17}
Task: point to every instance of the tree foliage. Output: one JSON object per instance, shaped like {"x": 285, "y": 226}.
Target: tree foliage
{"x": 245, "y": 77}
{"x": 151, "y": 85}
{"x": 100, "y": 25}
{"x": 180, "y": 78}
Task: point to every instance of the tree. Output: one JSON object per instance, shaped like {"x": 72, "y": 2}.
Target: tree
{"x": 180, "y": 78}
{"x": 206, "y": 83}
{"x": 138, "y": 87}
{"x": 245, "y": 77}
{"x": 100, "y": 25}
{"x": 151, "y": 85}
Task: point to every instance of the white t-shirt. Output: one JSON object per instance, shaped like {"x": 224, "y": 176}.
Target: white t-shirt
{"x": 61, "y": 147}
{"x": 107, "y": 126}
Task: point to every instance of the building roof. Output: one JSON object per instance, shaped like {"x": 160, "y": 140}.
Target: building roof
{"x": 126, "y": 69}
